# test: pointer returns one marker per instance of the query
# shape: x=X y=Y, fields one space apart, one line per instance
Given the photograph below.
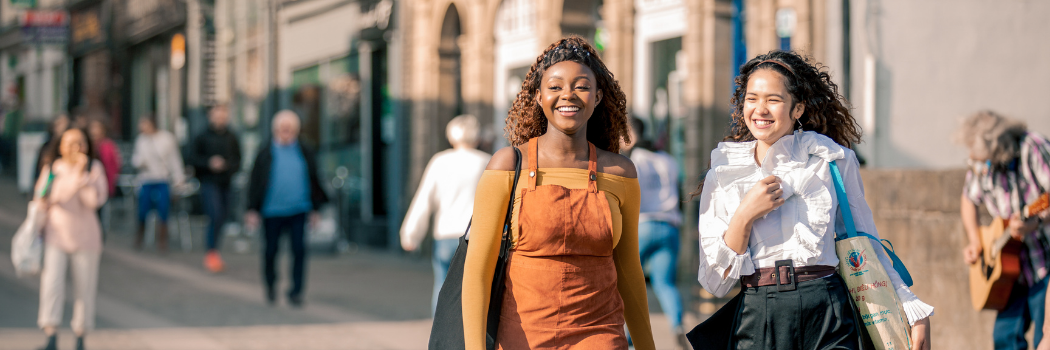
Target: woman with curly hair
x=768 y=205
x=574 y=275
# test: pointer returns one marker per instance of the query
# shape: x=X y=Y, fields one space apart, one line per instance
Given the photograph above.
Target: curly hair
x=826 y=111
x=809 y=83
x=991 y=136
x=606 y=126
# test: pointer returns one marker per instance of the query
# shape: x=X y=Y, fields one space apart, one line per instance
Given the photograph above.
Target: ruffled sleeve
x=913 y=307
x=715 y=256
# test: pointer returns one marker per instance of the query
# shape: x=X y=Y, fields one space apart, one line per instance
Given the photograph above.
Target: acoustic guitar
x=993 y=275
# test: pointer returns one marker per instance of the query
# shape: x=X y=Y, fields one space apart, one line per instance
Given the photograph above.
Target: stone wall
x=919 y=212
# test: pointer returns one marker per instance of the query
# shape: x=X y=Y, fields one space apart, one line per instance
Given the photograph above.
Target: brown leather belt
x=789 y=275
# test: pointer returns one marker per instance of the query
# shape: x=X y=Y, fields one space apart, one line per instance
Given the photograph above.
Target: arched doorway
x=450 y=82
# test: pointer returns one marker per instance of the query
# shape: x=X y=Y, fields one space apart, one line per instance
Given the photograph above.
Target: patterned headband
x=782 y=64
x=574 y=48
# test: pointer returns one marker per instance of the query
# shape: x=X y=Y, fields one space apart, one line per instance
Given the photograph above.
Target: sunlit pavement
x=364 y=299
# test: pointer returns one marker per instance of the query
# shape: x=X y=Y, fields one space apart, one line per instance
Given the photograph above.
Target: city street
x=363 y=299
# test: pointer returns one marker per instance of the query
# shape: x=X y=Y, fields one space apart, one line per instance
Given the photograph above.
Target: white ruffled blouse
x=802 y=229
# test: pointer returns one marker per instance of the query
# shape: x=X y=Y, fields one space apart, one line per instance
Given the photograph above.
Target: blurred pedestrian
x=574 y=277
x=447 y=190
x=50 y=146
x=284 y=188
x=72 y=235
x=789 y=124
x=157 y=159
x=108 y=153
x=1009 y=168
x=216 y=157
x=658 y=221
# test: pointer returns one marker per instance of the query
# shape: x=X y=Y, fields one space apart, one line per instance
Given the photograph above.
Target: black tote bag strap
x=510 y=205
x=499 y=277
x=447 y=331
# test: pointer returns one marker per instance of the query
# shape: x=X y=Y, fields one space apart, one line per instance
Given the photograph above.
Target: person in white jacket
x=446 y=191
x=158 y=162
x=769 y=214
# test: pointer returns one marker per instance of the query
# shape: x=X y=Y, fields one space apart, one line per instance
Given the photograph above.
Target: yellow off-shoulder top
x=490 y=207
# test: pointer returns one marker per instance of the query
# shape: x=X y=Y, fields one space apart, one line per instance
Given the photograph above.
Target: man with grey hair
x=1010 y=168
x=447 y=191
x=284 y=188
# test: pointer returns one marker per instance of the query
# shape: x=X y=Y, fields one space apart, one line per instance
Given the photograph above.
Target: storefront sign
x=25 y=4
x=85 y=28
x=45 y=27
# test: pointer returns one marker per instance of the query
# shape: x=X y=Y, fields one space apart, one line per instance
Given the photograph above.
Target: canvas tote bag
x=27 y=245
x=447 y=331
x=868 y=283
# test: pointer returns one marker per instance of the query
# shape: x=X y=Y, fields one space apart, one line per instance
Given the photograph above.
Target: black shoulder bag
x=447 y=330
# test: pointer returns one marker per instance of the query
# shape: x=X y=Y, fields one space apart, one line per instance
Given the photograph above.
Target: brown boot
x=162 y=237
x=139 y=234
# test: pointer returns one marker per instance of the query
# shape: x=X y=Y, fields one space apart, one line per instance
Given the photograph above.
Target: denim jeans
x=274 y=228
x=1026 y=304
x=154 y=196
x=444 y=249
x=658 y=249
x=215 y=200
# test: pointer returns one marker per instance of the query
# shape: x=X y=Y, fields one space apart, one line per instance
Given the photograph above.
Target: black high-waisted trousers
x=818 y=315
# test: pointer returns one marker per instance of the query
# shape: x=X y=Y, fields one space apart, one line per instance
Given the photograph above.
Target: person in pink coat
x=107 y=153
x=76 y=187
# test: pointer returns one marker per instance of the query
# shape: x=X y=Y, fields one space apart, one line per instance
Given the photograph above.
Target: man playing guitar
x=1010 y=168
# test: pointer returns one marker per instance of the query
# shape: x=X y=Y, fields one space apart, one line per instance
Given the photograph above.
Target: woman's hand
x=1045 y=343
x=765 y=196
x=78 y=160
x=920 y=335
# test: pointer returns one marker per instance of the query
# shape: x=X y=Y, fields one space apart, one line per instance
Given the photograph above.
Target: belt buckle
x=792 y=280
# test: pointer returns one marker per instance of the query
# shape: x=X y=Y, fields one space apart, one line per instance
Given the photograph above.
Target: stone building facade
x=672 y=58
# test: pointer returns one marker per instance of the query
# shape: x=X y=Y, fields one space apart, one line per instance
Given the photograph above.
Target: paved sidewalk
x=366 y=299
x=408 y=335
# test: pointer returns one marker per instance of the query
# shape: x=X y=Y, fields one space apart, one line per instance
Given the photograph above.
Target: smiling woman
x=528 y=117
x=574 y=277
x=768 y=216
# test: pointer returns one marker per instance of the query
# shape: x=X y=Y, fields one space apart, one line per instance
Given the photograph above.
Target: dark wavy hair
x=607 y=125
x=808 y=82
x=54 y=153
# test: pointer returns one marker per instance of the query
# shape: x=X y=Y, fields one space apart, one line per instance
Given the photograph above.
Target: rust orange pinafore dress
x=561 y=280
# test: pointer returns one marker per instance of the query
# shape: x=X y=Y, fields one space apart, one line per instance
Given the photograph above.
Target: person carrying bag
x=768 y=222
x=447 y=330
x=574 y=277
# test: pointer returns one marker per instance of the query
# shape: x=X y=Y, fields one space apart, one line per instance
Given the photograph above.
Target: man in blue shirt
x=284 y=188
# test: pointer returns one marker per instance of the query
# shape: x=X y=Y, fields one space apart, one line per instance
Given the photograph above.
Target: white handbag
x=27 y=246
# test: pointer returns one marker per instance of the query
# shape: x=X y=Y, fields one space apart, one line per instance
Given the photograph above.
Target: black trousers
x=274 y=228
x=818 y=315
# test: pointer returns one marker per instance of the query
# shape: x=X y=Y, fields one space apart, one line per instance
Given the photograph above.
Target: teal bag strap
x=851 y=227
